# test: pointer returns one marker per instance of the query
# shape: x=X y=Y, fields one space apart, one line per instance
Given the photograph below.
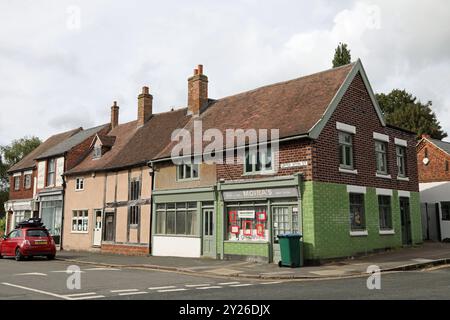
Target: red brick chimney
x=425 y=136
x=197 y=91
x=145 y=106
x=114 y=115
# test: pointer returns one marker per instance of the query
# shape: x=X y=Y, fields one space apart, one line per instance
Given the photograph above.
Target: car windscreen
x=37 y=233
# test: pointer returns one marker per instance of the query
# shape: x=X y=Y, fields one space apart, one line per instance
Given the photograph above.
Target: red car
x=26 y=241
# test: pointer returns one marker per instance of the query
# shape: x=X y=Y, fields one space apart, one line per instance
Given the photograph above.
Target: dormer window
x=97 y=152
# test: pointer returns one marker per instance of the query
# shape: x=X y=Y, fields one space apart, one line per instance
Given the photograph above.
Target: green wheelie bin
x=290 y=250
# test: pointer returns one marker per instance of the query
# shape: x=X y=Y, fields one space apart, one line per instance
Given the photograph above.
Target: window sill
x=259 y=173
x=403 y=178
x=387 y=231
x=188 y=179
x=384 y=176
x=361 y=233
x=351 y=171
x=78 y=190
x=79 y=232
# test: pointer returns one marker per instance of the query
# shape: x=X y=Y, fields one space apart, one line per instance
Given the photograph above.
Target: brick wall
x=124 y=249
x=434 y=171
x=292 y=151
x=356 y=109
x=22 y=193
x=79 y=152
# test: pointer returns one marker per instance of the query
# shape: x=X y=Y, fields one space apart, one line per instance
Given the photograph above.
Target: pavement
x=401 y=259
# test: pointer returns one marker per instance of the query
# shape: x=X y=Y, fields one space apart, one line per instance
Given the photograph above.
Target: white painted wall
x=436 y=192
x=59 y=171
x=176 y=246
x=41 y=174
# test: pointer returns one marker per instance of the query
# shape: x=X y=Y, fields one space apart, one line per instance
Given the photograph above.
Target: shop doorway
x=109 y=226
x=208 y=235
x=97 y=237
x=284 y=220
x=405 y=217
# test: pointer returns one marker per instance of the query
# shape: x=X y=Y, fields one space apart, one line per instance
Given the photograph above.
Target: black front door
x=109 y=227
x=406 y=221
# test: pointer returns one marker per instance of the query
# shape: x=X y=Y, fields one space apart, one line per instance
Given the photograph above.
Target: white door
x=97 y=228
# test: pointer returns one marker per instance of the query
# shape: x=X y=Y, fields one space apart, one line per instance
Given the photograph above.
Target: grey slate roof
x=441 y=144
x=73 y=141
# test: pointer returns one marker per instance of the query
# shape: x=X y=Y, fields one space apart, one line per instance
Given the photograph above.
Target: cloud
x=55 y=77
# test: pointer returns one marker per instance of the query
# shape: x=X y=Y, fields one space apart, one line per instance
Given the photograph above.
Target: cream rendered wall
x=166 y=177
x=110 y=186
x=90 y=198
x=121 y=224
x=145 y=223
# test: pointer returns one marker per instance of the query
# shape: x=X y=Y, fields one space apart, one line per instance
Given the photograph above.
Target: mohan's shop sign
x=260 y=194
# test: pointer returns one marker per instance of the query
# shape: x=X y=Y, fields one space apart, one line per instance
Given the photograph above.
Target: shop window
x=187 y=171
x=27 y=181
x=401 y=161
x=80 y=221
x=357 y=214
x=247 y=223
x=134 y=215
x=179 y=218
x=258 y=160
x=381 y=157
x=445 y=208
x=345 y=150
x=385 y=212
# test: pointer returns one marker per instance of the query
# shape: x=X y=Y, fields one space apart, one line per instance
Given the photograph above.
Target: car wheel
x=51 y=257
x=18 y=255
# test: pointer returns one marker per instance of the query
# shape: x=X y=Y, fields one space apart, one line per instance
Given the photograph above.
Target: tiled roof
x=441 y=144
x=135 y=145
x=73 y=141
x=28 y=161
x=293 y=107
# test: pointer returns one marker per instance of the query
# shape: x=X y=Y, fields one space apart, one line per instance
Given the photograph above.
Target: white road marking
x=80 y=294
x=31 y=274
x=228 y=283
x=273 y=282
x=159 y=288
x=172 y=290
x=89 y=297
x=102 y=269
x=241 y=285
x=212 y=287
x=123 y=290
x=132 y=293
x=37 y=291
x=197 y=285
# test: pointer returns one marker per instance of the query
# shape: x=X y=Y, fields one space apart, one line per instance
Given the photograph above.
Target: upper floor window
x=17 y=183
x=258 y=160
x=51 y=172
x=97 y=152
x=135 y=189
x=27 y=181
x=345 y=150
x=381 y=157
x=79 y=184
x=187 y=171
x=401 y=161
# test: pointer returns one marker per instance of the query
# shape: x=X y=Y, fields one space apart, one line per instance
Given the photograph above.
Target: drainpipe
x=222 y=215
x=299 y=179
x=62 y=213
x=152 y=176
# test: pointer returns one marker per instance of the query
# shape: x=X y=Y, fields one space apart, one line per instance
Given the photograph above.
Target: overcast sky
x=62 y=63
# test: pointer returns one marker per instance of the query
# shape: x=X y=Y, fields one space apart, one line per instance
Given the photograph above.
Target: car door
x=8 y=243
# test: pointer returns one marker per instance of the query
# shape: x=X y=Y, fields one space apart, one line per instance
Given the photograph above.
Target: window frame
x=25 y=185
x=189 y=209
x=446 y=205
x=343 y=145
x=401 y=157
x=257 y=167
x=135 y=189
x=79 y=184
x=97 y=152
x=134 y=216
x=363 y=211
x=51 y=172
x=384 y=154
x=81 y=218
x=182 y=171
x=16 y=181
x=388 y=218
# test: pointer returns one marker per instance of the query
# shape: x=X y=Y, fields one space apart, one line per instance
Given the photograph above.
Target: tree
x=341 y=55
x=403 y=110
x=10 y=155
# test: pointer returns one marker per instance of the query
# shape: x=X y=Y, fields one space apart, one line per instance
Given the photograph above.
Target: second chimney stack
x=145 y=106
x=114 y=115
x=197 y=91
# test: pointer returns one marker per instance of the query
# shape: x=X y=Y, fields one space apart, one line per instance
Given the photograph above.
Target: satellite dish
x=426 y=161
